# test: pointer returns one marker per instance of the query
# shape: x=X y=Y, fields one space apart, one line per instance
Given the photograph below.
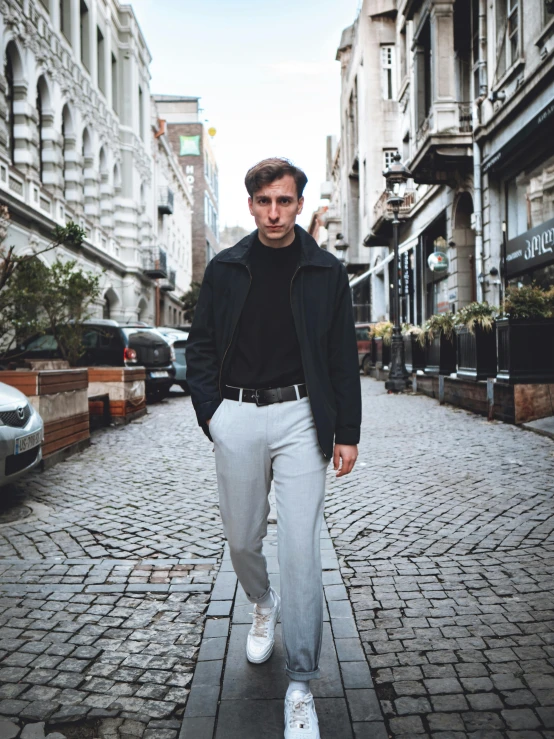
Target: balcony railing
x=464 y=123
x=382 y=209
x=165 y=200
x=169 y=284
x=154 y=263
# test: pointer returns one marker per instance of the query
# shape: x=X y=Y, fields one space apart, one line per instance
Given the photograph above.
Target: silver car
x=21 y=434
x=178 y=341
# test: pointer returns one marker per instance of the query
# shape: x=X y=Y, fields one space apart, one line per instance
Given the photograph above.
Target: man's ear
x=250 y=206
x=300 y=205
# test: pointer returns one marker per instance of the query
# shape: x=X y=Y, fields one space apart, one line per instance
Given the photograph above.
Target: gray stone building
x=465 y=92
x=76 y=144
x=191 y=143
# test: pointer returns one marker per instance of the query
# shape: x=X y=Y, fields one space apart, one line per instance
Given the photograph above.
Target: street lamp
x=396 y=177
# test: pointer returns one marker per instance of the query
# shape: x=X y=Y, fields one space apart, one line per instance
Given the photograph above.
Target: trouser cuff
x=303 y=676
x=262 y=596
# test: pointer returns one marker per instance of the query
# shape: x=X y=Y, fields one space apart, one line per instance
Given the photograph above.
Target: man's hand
x=208 y=422
x=349 y=454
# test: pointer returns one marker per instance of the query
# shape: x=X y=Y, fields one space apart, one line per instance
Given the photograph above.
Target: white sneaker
x=300 y=716
x=261 y=637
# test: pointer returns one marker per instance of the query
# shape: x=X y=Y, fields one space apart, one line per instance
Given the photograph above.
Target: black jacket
x=322 y=311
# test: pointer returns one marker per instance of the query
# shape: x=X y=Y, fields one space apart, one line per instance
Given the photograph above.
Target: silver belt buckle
x=257 y=396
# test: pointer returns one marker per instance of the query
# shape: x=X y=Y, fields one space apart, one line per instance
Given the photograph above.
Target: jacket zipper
x=233 y=334
x=305 y=379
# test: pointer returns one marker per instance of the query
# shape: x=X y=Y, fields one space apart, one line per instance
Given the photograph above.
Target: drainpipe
x=478 y=211
x=477 y=158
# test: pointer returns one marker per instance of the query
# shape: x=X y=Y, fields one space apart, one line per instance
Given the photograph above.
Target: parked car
x=178 y=341
x=364 y=346
x=21 y=435
x=113 y=344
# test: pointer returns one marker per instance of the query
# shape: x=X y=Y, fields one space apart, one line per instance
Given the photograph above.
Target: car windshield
x=41 y=343
x=174 y=335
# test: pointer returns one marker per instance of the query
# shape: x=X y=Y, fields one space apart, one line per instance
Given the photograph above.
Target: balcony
x=381 y=229
x=168 y=285
x=165 y=201
x=443 y=145
x=154 y=263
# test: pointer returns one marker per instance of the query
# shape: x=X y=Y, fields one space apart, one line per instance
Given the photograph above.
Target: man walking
x=272 y=367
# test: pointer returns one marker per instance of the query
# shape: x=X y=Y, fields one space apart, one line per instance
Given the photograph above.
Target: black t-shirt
x=266 y=352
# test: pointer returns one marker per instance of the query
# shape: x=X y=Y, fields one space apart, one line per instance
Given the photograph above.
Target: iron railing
x=154 y=262
x=165 y=200
x=382 y=209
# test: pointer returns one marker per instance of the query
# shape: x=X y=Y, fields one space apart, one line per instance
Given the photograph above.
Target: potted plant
x=49 y=303
x=437 y=337
x=476 y=341
x=414 y=352
x=382 y=335
x=525 y=336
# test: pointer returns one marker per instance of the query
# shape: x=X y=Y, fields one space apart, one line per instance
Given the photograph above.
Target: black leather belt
x=265 y=396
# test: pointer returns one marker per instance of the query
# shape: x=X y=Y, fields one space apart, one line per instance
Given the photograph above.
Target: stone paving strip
x=233 y=699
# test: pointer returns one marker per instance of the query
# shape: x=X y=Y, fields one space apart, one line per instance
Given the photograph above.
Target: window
x=39 y=125
x=406 y=148
x=423 y=75
x=115 y=86
x=548 y=11
x=403 y=53
x=387 y=72
x=101 y=60
x=8 y=72
x=388 y=157
x=65 y=18
x=85 y=35
x=141 y=112
x=507 y=35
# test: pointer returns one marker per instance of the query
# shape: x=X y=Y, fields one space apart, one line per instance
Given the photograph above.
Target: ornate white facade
x=76 y=143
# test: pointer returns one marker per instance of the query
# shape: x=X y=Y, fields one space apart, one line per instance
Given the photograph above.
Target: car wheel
x=366 y=365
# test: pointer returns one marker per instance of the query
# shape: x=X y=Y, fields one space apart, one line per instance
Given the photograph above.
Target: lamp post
x=397 y=177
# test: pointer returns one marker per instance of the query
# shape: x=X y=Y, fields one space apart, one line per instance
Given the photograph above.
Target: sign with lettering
x=189 y=146
x=407 y=273
x=531 y=249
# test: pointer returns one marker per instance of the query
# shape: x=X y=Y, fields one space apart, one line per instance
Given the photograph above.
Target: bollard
x=441 y=389
x=490 y=398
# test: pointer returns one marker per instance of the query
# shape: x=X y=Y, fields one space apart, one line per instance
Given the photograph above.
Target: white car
x=21 y=434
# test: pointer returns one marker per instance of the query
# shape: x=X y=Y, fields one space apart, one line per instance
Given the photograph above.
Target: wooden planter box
x=414 y=353
x=125 y=387
x=382 y=353
x=60 y=396
x=440 y=356
x=525 y=350
x=476 y=353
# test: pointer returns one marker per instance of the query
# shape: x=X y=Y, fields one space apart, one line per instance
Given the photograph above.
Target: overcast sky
x=267 y=76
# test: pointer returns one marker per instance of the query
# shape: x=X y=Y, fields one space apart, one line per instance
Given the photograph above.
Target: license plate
x=24 y=443
x=160 y=373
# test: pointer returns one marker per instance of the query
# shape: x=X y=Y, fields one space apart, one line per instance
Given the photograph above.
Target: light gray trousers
x=253 y=444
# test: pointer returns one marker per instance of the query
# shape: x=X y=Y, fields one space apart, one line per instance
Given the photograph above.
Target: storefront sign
x=438 y=261
x=539 y=125
x=406 y=273
x=531 y=249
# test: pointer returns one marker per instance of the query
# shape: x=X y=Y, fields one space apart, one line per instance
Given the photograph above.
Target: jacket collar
x=310 y=253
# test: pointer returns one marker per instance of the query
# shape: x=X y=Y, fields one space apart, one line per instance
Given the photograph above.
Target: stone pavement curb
x=231 y=699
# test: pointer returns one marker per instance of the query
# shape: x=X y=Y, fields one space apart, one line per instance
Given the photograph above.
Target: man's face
x=275 y=208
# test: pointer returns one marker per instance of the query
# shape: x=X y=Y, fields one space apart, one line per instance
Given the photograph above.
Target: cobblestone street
x=444 y=537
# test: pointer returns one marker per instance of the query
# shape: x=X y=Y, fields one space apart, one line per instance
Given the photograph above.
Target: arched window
x=39 y=125
x=9 y=105
x=106 y=307
x=68 y=144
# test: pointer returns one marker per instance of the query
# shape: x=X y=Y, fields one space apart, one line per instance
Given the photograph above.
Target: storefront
x=521 y=171
x=529 y=252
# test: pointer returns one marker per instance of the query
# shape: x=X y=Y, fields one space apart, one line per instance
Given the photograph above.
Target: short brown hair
x=269 y=170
